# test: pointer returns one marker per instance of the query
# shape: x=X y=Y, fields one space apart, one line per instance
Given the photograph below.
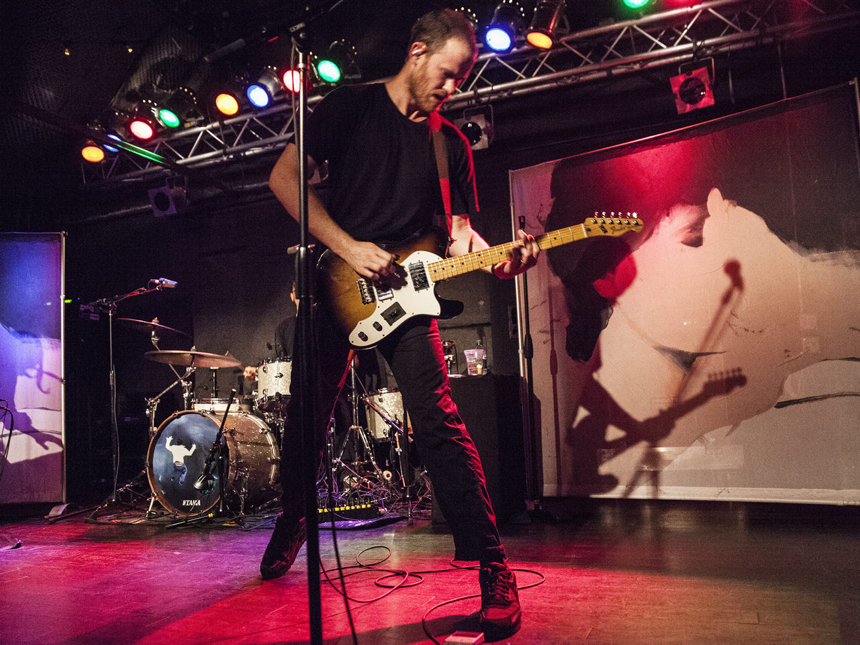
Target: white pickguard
x=399 y=303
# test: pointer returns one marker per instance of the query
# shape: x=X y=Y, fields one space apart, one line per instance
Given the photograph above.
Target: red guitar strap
x=441 y=150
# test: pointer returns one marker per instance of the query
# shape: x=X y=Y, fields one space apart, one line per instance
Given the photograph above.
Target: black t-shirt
x=384 y=184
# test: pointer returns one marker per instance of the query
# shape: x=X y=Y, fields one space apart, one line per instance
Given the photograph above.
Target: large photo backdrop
x=716 y=354
x=31 y=368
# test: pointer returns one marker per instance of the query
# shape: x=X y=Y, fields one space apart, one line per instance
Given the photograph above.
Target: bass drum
x=177 y=455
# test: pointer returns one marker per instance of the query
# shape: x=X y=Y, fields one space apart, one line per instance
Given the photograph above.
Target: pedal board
x=366 y=511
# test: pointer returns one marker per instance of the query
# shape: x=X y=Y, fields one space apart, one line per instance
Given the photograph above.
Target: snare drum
x=177 y=455
x=217 y=407
x=391 y=403
x=273 y=383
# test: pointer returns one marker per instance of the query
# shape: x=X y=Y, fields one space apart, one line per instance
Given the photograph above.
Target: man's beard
x=423 y=94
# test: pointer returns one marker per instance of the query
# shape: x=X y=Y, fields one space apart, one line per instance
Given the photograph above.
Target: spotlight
x=291 y=79
x=141 y=117
x=264 y=90
x=227 y=103
x=477 y=126
x=501 y=33
x=337 y=64
x=635 y=4
x=693 y=89
x=169 y=199
x=92 y=152
x=177 y=108
x=543 y=27
x=110 y=125
x=469 y=15
x=141 y=128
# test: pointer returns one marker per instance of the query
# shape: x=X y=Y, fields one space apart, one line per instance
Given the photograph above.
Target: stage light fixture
x=542 y=31
x=177 y=108
x=227 y=103
x=476 y=124
x=141 y=128
x=291 y=79
x=111 y=125
x=92 y=153
x=337 y=64
x=501 y=33
x=169 y=199
x=264 y=89
x=635 y=4
x=470 y=15
x=693 y=89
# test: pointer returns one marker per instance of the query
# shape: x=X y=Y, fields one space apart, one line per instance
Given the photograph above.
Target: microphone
x=206 y=482
x=163 y=283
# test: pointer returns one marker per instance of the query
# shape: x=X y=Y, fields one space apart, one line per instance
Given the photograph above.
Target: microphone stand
x=527 y=392
x=307 y=360
x=206 y=481
x=110 y=306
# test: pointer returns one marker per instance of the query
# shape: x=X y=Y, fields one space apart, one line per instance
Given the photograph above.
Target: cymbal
x=142 y=325
x=192 y=358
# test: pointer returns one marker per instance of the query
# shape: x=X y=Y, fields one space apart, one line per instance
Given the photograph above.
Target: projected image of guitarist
x=388 y=187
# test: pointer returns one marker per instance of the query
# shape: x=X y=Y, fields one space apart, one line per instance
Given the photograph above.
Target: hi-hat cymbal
x=193 y=358
x=142 y=325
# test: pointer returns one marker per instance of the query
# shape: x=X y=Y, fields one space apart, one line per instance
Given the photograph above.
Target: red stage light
x=141 y=128
x=292 y=80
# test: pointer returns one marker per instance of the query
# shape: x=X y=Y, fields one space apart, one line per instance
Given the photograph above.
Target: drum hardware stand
x=401 y=439
x=356 y=430
x=215 y=382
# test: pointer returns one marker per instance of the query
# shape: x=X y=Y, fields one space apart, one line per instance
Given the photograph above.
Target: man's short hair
x=434 y=29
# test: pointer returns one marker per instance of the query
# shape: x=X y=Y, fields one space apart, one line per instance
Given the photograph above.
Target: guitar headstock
x=721 y=383
x=612 y=223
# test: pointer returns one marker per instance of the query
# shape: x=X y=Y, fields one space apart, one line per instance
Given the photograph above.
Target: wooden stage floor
x=623 y=572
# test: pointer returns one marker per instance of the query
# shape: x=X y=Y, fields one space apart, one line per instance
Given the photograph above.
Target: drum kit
x=243 y=436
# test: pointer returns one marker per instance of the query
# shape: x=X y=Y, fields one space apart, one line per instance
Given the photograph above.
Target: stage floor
x=609 y=572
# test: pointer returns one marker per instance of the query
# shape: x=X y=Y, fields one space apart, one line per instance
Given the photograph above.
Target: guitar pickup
x=394 y=313
x=365 y=291
x=384 y=294
x=419 y=276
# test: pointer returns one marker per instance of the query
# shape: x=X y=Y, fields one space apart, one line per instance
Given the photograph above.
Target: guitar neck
x=460 y=264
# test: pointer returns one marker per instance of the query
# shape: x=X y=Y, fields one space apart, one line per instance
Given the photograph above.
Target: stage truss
x=668 y=38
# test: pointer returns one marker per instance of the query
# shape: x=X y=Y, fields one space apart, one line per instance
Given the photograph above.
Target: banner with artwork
x=716 y=353
x=31 y=368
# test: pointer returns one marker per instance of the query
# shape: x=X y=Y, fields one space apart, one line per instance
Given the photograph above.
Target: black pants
x=414 y=353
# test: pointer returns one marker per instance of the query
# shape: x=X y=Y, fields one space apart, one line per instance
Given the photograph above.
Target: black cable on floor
x=361 y=567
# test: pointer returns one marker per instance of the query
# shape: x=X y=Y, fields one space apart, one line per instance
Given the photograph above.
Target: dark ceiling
x=67 y=61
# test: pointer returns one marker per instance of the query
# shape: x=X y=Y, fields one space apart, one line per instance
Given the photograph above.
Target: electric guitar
x=366 y=311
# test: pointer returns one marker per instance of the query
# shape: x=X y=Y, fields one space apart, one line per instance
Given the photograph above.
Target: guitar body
x=366 y=312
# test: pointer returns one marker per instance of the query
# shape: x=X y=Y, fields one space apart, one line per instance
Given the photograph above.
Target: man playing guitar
x=378 y=141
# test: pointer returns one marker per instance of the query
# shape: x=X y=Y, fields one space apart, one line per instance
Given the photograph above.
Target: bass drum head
x=175 y=459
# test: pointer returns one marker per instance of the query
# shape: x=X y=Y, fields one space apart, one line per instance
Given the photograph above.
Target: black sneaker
x=283 y=548
x=500 y=603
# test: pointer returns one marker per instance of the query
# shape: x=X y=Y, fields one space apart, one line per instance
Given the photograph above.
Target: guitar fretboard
x=458 y=265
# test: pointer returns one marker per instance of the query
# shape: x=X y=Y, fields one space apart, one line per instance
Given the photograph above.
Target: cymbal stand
x=401 y=445
x=152 y=404
x=214 y=382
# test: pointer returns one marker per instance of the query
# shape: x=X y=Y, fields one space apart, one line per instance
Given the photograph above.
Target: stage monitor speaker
x=490 y=407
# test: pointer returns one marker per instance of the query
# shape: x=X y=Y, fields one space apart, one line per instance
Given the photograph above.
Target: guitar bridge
x=365 y=291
